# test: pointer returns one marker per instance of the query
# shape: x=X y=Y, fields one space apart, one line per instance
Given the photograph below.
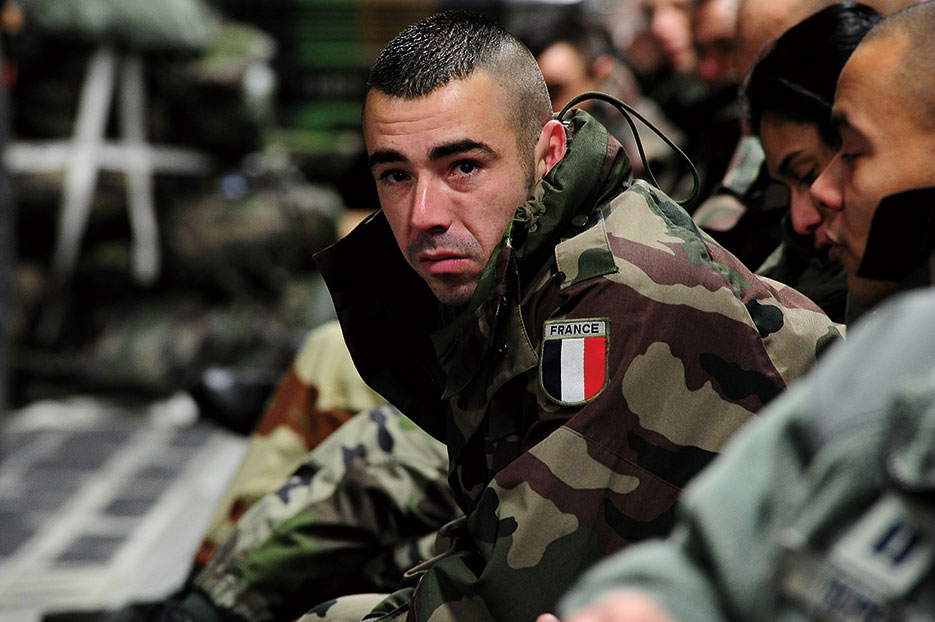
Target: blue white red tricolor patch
x=573 y=359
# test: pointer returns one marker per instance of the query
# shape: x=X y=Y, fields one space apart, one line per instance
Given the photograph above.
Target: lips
x=443 y=262
x=836 y=250
x=843 y=254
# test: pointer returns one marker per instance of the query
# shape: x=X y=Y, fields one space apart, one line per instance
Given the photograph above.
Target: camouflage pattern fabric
x=319 y=392
x=822 y=510
x=796 y=263
x=693 y=345
x=360 y=509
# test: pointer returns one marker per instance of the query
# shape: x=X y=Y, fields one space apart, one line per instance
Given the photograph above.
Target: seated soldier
x=579 y=346
x=789 y=95
x=577 y=55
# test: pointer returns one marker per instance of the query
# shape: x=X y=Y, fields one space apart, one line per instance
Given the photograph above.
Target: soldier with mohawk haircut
x=580 y=347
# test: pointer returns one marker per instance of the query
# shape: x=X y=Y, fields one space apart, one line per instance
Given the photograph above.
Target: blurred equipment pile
x=163 y=228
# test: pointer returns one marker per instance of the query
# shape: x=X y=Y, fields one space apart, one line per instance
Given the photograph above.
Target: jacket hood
x=594 y=170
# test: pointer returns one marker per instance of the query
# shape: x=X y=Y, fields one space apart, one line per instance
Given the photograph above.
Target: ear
x=550 y=148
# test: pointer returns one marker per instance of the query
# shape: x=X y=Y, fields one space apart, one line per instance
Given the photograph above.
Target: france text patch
x=573 y=360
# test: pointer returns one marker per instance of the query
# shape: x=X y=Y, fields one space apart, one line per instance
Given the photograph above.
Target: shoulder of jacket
x=584 y=256
x=637 y=214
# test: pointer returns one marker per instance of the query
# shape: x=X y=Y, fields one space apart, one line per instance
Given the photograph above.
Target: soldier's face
x=449 y=175
x=887 y=146
x=795 y=156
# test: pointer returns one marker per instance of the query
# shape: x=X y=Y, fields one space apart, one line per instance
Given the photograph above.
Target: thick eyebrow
x=460 y=146
x=388 y=156
x=384 y=156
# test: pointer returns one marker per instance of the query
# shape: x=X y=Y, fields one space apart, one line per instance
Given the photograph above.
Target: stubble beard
x=453 y=289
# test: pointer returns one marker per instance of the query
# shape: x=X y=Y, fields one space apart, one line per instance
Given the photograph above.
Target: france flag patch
x=573 y=359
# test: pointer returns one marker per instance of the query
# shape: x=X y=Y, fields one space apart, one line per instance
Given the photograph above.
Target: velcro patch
x=869 y=573
x=887 y=548
x=573 y=359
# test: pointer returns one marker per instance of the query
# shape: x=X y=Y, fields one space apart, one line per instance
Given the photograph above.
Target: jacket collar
x=901 y=236
x=900 y=244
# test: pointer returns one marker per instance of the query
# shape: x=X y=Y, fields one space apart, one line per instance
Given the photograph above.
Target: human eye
x=465 y=168
x=392 y=176
x=852 y=148
x=801 y=175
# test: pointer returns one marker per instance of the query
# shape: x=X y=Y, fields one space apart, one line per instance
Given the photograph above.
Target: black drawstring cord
x=626 y=110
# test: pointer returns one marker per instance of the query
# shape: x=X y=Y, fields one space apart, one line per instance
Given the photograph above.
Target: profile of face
x=670 y=23
x=887 y=145
x=795 y=156
x=450 y=174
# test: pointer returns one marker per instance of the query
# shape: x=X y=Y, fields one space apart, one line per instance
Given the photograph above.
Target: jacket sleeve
x=719 y=556
x=812 y=461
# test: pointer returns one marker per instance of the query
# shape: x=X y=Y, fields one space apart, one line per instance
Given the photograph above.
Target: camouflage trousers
x=320 y=391
x=361 y=509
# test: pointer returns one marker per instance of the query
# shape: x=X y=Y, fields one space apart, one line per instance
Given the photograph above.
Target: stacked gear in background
x=238 y=289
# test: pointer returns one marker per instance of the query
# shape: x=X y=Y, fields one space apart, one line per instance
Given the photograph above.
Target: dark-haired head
x=453 y=45
x=790 y=94
x=796 y=78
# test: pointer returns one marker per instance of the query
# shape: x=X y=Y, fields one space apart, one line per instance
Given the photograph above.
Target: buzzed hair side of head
x=915 y=26
x=452 y=45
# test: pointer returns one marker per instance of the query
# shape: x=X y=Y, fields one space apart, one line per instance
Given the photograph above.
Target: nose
x=804 y=213
x=826 y=190
x=429 y=211
x=827 y=198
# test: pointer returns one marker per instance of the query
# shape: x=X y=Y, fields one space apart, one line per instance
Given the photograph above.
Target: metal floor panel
x=103 y=504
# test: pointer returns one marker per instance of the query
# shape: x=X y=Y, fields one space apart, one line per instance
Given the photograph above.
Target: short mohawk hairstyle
x=453 y=45
x=428 y=54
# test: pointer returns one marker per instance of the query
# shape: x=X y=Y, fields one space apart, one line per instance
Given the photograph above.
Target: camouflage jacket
x=824 y=509
x=608 y=352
